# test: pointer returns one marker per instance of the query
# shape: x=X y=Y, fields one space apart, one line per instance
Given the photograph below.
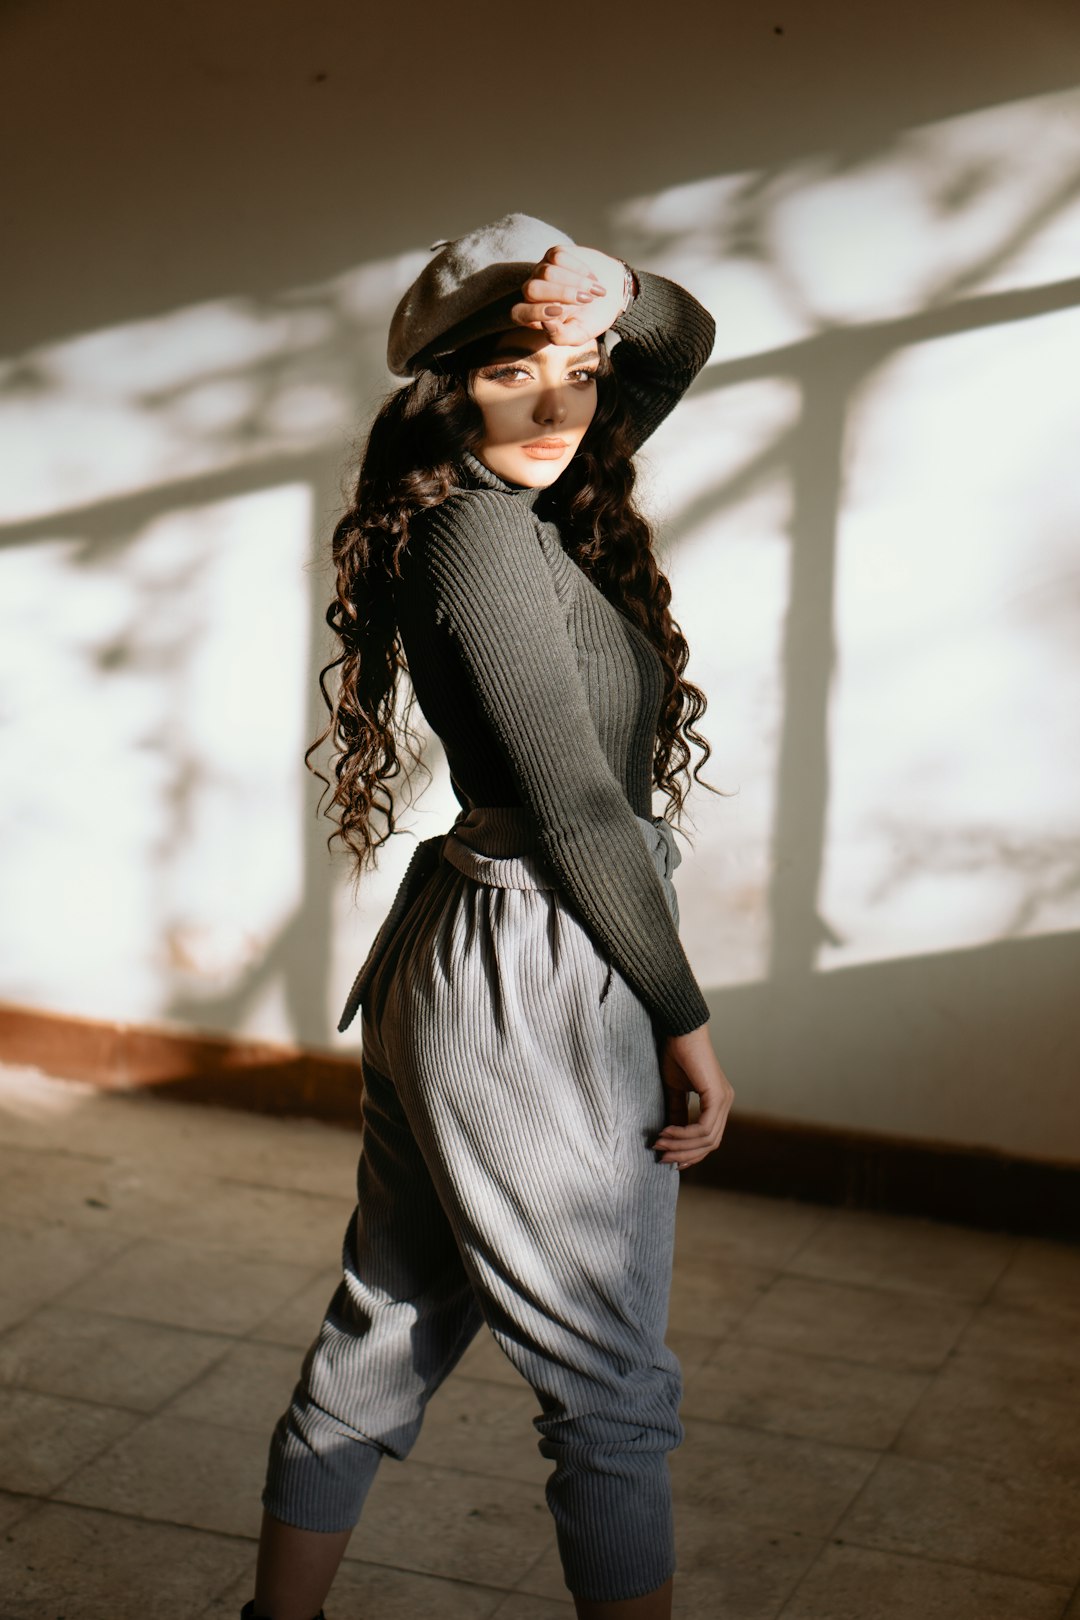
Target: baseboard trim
x=774 y=1157
x=897 y=1175
x=258 y=1076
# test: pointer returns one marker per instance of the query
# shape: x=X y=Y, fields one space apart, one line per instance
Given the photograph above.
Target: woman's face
x=537 y=400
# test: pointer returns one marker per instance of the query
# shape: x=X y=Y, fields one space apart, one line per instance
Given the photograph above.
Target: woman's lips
x=545 y=449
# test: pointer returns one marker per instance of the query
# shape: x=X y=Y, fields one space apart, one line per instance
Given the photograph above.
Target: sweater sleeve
x=479 y=556
x=665 y=338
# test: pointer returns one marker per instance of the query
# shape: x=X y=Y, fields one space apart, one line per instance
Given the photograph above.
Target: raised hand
x=573 y=294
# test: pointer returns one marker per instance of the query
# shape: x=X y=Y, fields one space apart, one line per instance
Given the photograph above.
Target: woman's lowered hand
x=573 y=294
x=689 y=1064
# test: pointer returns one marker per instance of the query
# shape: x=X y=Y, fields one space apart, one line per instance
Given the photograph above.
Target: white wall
x=867 y=502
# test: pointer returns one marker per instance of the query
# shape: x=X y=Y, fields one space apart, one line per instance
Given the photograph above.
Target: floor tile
x=43 y=1189
x=544 y=1578
x=808 y=1338
x=42 y=1261
x=92 y=1357
x=203 y=1289
x=881 y=1327
x=768 y=1480
x=437 y=1521
x=40 y=1111
x=362 y=1590
x=743 y=1226
x=839 y=1585
x=519 y=1607
x=1042 y=1276
x=180 y=1472
x=968 y=1514
x=297 y=1228
x=62 y=1116
x=172 y=1201
x=709 y=1296
x=1025 y=1344
x=297 y=1155
x=37 y=1110
x=13 y=1508
x=737 y=1570
x=491 y=1435
x=95 y=1566
x=692 y=1349
x=295 y=1321
x=890 y=1251
x=13 y=1311
x=724 y=1567
x=814 y=1396
x=1008 y=1423
x=247 y=1388
x=44 y=1439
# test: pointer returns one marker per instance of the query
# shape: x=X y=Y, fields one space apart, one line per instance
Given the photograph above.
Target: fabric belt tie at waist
x=501 y=847
x=498 y=845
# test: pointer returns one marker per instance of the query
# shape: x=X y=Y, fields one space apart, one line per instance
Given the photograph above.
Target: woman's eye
x=507 y=373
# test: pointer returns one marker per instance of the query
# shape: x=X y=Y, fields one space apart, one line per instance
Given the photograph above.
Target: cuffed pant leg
x=399 y=1321
x=610 y=1498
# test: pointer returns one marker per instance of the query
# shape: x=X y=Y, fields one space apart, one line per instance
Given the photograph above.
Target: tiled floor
x=882 y=1415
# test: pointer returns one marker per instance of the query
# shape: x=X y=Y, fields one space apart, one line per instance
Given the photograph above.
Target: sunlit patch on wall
x=195 y=393
x=157 y=702
x=936 y=473
x=953 y=813
x=729 y=570
x=897 y=765
x=983 y=201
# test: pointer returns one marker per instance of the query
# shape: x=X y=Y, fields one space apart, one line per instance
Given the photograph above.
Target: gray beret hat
x=468 y=290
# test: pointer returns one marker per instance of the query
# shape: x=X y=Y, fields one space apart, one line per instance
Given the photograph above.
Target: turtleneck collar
x=477 y=474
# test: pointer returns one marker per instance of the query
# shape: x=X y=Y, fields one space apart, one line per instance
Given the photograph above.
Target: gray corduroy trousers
x=511 y=1091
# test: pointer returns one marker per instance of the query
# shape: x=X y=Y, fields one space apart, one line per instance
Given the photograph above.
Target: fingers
x=685 y=1148
x=683 y=1143
x=562 y=288
x=561 y=326
x=562 y=253
x=563 y=277
x=567 y=259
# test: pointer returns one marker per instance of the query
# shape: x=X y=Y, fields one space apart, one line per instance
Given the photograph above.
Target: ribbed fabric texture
x=546 y=696
x=511 y=1092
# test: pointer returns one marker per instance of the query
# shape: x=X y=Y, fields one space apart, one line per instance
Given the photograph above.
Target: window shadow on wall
x=191 y=437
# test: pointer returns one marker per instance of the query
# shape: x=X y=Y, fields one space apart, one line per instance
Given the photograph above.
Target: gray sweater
x=542 y=692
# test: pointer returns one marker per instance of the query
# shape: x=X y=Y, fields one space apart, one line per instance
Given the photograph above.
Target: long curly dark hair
x=412 y=460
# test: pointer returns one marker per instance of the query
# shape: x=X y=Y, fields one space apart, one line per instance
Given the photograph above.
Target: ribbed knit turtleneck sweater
x=542 y=692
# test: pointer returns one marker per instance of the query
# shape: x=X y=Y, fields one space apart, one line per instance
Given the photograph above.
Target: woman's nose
x=551 y=406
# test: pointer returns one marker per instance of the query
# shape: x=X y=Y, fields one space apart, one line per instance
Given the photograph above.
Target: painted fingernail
x=552 y=309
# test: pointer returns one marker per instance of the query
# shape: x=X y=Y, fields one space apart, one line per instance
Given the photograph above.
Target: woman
x=527 y=1003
